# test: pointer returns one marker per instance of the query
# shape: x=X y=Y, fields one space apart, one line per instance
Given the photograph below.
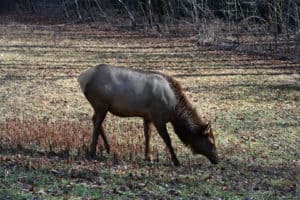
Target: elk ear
x=211 y=140
x=207 y=129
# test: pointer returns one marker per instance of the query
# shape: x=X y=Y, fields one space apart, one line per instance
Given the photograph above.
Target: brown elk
x=153 y=96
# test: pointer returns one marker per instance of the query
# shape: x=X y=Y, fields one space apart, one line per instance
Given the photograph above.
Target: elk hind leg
x=97 y=119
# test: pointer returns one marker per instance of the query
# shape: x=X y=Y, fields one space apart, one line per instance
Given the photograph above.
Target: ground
x=45 y=127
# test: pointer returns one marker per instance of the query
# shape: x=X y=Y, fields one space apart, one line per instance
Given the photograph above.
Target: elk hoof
x=92 y=155
x=147 y=159
x=176 y=163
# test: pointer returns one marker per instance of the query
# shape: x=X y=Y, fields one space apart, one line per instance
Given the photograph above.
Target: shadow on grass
x=35 y=77
x=238 y=176
x=287 y=87
x=248 y=176
x=4 y=149
x=235 y=74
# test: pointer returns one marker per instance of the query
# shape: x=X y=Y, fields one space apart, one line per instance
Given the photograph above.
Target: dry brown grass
x=252 y=101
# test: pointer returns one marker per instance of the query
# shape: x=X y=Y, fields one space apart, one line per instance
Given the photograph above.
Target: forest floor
x=45 y=127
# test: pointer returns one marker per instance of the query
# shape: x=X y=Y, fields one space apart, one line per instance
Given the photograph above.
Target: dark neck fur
x=184 y=119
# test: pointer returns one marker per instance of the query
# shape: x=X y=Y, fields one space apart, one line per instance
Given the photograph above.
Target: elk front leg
x=147 y=133
x=162 y=130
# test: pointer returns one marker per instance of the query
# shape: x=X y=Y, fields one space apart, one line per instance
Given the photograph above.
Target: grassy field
x=45 y=126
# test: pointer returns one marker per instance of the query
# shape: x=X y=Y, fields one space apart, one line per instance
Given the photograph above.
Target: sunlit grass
x=252 y=102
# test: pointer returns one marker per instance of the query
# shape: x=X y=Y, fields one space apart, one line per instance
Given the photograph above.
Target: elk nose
x=214 y=159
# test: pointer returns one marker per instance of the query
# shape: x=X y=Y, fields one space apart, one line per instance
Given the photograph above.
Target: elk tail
x=85 y=77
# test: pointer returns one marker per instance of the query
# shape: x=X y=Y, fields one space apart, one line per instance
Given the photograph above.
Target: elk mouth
x=214 y=160
x=212 y=157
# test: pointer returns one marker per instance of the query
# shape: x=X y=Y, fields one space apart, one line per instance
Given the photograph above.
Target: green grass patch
x=45 y=126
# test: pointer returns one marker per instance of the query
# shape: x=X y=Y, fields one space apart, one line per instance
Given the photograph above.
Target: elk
x=153 y=96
